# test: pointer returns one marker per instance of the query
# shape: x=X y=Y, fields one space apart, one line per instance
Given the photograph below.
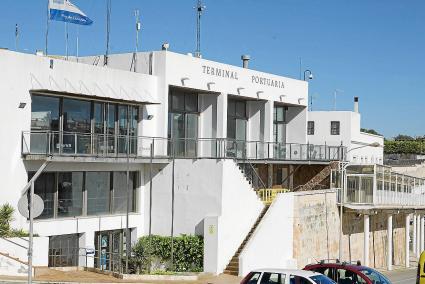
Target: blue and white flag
x=65 y=11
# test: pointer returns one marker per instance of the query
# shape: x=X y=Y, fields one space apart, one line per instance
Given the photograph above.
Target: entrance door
x=184 y=134
x=109 y=250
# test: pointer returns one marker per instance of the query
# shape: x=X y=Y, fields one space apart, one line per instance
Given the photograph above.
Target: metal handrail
x=65 y=143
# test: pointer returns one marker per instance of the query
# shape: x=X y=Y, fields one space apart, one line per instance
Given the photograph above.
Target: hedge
x=404 y=147
x=152 y=253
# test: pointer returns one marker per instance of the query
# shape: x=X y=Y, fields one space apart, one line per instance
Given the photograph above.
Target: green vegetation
x=152 y=254
x=370 y=131
x=6 y=217
x=404 y=147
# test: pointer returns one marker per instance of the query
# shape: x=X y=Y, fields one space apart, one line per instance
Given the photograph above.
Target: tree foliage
x=6 y=217
x=370 y=131
x=404 y=147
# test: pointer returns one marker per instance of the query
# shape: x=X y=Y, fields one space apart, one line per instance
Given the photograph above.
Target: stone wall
x=316 y=232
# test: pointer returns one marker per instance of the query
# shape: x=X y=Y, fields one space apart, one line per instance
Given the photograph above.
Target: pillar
x=422 y=234
x=222 y=116
x=390 y=242
x=366 y=240
x=86 y=251
x=414 y=234
x=418 y=235
x=407 y=237
x=269 y=175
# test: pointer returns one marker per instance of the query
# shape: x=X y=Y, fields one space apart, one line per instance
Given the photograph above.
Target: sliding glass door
x=183 y=124
x=236 y=128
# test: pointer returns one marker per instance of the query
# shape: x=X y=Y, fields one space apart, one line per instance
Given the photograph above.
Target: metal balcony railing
x=53 y=143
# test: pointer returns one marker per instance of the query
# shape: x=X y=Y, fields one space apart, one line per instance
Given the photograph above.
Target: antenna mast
x=108 y=29
x=199 y=9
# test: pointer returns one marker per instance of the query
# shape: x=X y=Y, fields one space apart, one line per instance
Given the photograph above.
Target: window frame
x=337 y=130
x=310 y=127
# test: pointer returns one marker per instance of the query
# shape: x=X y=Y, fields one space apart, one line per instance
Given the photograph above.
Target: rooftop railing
x=53 y=143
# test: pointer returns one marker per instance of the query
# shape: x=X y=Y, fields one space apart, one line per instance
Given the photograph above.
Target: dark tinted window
x=298 y=280
x=272 y=278
x=44 y=113
x=254 y=278
x=321 y=279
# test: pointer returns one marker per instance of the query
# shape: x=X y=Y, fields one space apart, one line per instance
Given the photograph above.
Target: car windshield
x=321 y=279
x=375 y=276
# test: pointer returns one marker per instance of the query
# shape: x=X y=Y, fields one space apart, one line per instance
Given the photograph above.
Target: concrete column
x=414 y=234
x=418 y=235
x=268 y=121
x=269 y=175
x=390 y=242
x=222 y=116
x=291 y=177
x=422 y=234
x=407 y=237
x=86 y=242
x=366 y=240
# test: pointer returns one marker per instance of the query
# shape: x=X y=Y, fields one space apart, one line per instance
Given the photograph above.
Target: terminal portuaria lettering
x=219 y=72
x=267 y=82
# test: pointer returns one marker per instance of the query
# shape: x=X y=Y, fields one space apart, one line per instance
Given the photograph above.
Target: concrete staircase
x=233 y=266
x=317 y=179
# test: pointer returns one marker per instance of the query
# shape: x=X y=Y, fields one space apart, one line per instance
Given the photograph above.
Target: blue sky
x=373 y=49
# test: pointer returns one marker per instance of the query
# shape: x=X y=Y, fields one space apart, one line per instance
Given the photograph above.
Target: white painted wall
x=271 y=245
x=11 y=267
x=350 y=135
x=18 y=248
x=225 y=194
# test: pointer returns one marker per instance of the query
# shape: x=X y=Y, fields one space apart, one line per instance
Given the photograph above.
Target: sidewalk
x=91 y=277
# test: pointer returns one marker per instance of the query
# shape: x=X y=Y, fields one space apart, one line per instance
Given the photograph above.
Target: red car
x=345 y=273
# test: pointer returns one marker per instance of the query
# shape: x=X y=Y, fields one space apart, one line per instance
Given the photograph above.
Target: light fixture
x=259 y=93
x=209 y=84
x=149 y=117
x=310 y=75
x=240 y=89
x=22 y=105
x=165 y=46
x=300 y=99
x=184 y=79
x=281 y=97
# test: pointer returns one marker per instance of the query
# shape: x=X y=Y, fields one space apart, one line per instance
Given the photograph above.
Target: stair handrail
x=256 y=174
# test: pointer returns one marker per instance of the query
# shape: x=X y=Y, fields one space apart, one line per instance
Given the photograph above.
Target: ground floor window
x=73 y=194
x=63 y=250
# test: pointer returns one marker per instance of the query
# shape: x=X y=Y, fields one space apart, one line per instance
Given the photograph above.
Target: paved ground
x=405 y=276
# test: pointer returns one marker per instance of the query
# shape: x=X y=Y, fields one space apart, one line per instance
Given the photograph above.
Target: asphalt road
x=402 y=276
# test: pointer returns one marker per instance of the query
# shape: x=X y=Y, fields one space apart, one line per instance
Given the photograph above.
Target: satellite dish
x=38 y=206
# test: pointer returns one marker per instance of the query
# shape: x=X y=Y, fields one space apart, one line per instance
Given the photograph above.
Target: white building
x=207 y=146
x=344 y=128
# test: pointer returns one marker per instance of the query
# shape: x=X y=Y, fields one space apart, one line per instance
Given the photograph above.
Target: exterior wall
x=225 y=195
x=316 y=227
x=18 y=248
x=275 y=229
x=25 y=72
x=350 y=136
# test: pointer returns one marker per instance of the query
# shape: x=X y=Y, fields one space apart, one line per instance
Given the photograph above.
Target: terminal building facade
x=165 y=143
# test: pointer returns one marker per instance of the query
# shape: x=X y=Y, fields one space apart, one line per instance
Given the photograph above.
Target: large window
x=87 y=127
x=70 y=194
x=183 y=123
x=335 y=127
x=236 y=128
x=310 y=128
x=64 y=250
x=73 y=194
x=279 y=123
x=45 y=187
x=98 y=186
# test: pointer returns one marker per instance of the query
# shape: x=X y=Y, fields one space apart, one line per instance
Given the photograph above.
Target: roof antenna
x=108 y=30
x=199 y=9
x=138 y=28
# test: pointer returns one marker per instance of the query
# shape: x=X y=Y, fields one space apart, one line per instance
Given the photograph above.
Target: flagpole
x=78 y=42
x=47 y=25
x=66 y=39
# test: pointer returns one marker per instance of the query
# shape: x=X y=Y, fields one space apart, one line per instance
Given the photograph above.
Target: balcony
x=36 y=144
x=376 y=186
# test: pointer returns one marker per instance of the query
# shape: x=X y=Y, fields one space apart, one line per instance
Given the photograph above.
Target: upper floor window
x=310 y=128
x=183 y=102
x=335 y=127
x=279 y=121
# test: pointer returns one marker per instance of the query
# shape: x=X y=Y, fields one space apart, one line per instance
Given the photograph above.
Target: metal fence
x=51 y=143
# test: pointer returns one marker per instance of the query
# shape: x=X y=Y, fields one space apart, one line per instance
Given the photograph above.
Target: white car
x=285 y=276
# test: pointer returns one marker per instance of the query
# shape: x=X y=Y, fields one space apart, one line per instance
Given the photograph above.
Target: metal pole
x=47 y=25
x=66 y=40
x=150 y=189
x=127 y=230
x=30 y=245
x=341 y=203
x=172 y=214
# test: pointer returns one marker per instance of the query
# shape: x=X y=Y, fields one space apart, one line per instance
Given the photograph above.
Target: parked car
x=346 y=273
x=285 y=276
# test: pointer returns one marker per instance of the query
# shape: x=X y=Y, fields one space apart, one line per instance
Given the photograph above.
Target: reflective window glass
x=120 y=192
x=98 y=192
x=76 y=116
x=335 y=127
x=191 y=102
x=98 y=118
x=45 y=187
x=241 y=109
x=70 y=194
x=44 y=113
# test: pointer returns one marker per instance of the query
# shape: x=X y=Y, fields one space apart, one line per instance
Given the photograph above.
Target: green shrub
x=153 y=253
x=404 y=147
